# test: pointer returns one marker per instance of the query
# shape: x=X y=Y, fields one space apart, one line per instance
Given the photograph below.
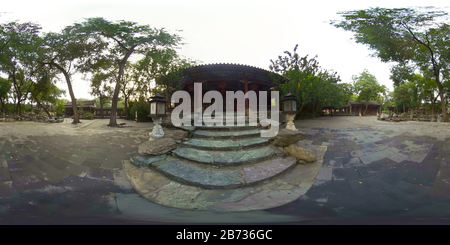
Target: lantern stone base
x=290 y=124
x=157 y=129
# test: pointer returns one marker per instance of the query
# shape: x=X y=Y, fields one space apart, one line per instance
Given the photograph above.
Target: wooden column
x=246 y=90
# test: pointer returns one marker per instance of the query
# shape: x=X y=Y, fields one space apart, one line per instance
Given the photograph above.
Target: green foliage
x=101 y=89
x=123 y=39
x=5 y=87
x=412 y=38
x=367 y=87
x=87 y=115
x=60 y=107
x=10 y=108
x=394 y=34
x=80 y=109
x=143 y=109
x=313 y=86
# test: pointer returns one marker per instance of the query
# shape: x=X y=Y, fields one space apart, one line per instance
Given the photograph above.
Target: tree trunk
x=367 y=105
x=432 y=109
x=39 y=104
x=3 y=107
x=126 y=108
x=101 y=109
x=403 y=107
x=112 y=120
x=19 y=107
x=441 y=94
x=313 y=112
x=72 y=96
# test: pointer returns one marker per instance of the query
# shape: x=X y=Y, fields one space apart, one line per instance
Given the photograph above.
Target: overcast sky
x=242 y=32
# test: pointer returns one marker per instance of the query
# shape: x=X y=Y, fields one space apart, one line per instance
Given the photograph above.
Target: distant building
x=88 y=106
x=107 y=112
x=354 y=108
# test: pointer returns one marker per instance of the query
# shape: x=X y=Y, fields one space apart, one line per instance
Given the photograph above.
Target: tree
x=304 y=75
x=125 y=38
x=404 y=35
x=367 y=87
x=18 y=44
x=428 y=90
x=402 y=96
x=132 y=77
x=5 y=87
x=331 y=94
x=101 y=89
x=43 y=89
x=165 y=68
x=60 y=107
x=71 y=49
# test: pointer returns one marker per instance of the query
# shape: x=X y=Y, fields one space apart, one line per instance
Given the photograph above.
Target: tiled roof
x=226 y=65
x=87 y=103
x=363 y=102
x=228 y=71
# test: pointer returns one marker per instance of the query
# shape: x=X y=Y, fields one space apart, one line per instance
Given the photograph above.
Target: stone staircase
x=223 y=157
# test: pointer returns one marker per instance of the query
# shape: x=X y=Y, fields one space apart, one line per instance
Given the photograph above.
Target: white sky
x=242 y=32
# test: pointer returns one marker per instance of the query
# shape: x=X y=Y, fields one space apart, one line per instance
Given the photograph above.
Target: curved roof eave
x=204 y=68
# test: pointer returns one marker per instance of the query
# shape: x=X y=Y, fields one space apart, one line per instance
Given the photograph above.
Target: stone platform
x=222 y=168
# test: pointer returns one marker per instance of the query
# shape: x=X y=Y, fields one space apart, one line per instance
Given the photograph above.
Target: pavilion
x=229 y=77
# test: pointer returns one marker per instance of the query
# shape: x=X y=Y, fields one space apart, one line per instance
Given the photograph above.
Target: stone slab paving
x=394 y=171
x=411 y=180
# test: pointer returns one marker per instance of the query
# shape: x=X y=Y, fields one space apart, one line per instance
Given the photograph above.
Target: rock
x=155 y=147
x=9 y=120
x=175 y=134
x=287 y=137
x=145 y=161
x=280 y=152
x=302 y=152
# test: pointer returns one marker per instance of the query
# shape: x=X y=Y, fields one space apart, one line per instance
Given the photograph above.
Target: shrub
x=60 y=108
x=88 y=115
x=143 y=109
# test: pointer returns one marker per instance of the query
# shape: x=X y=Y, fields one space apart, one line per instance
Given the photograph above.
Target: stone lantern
x=157 y=112
x=289 y=103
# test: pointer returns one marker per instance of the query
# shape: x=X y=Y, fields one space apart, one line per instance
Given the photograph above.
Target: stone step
x=225 y=157
x=226 y=145
x=220 y=135
x=226 y=128
x=206 y=177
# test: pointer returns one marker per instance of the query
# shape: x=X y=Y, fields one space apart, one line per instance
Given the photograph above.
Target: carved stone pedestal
x=290 y=124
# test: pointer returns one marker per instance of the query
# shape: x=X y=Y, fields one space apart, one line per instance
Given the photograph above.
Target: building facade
x=229 y=77
x=88 y=106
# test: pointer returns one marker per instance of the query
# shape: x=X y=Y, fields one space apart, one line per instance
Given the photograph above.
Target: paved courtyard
x=372 y=170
